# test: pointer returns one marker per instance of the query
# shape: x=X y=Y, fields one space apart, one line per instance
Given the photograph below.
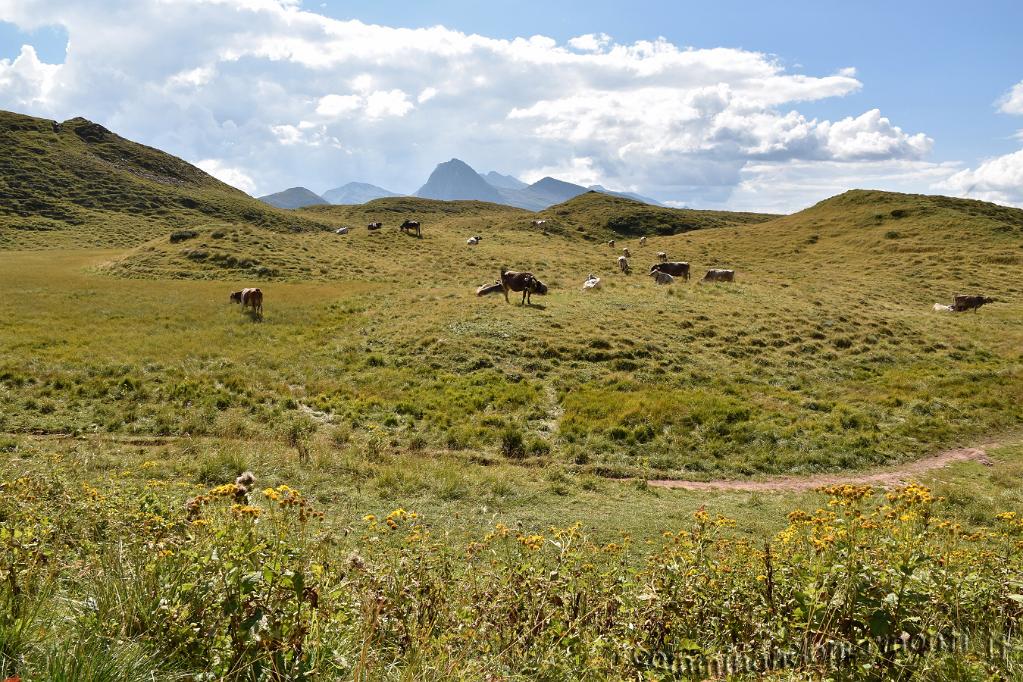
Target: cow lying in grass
x=716 y=275
x=525 y=282
x=485 y=289
x=662 y=277
x=962 y=303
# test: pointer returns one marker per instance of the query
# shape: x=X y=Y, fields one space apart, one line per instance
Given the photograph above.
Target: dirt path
x=884 y=478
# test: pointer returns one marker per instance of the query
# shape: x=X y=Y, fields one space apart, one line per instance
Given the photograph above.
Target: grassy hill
x=825 y=354
x=249 y=251
x=596 y=215
x=76 y=184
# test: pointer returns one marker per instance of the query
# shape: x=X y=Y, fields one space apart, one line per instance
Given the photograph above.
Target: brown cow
x=716 y=275
x=249 y=298
x=675 y=269
x=525 y=282
x=963 y=302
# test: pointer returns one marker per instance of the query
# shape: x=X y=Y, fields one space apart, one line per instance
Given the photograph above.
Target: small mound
x=214 y=252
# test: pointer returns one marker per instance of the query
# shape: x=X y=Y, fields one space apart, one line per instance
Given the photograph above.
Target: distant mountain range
x=455 y=180
x=356 y=193
x=296 y=197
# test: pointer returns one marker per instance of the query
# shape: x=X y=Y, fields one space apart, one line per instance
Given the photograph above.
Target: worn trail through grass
x=885 y=478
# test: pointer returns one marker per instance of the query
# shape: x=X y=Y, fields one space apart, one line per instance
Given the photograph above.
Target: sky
x=725 y=104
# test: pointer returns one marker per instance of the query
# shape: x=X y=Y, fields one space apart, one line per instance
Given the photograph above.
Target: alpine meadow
x=245 y=442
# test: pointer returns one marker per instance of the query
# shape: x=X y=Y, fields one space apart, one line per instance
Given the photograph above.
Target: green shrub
x=512 y=442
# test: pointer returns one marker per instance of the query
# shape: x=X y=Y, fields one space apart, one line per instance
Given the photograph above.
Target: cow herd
x=526 y=283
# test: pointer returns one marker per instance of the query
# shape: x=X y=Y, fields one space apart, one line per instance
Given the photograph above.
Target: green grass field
x=376 y=380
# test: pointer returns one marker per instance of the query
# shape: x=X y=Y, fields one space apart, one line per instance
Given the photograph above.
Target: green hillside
x=76 y=184
x=596 y=215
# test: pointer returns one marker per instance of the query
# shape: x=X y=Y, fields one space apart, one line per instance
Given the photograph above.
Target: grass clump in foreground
x=250 y=581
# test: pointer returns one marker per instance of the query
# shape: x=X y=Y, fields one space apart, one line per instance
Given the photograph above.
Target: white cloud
x=192 y=78
x=581 y=171
x=999 y=179
x=333 y=106
x=274 y=95
x=371 y=105
x=232 y=176
x=381 y=104
x=777 y=187
x=590 y=42
x=26 y=81
x=872 y=136
x=426 y=95
x=1012 y=101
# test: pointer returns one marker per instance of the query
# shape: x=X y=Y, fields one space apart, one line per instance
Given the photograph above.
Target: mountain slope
x=356 y=193
x=542 y=193
x=454 y=180
x=77 y=183
x=295 y=197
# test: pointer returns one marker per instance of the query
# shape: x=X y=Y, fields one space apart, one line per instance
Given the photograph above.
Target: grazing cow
x=473 y=241
x=942 y=308
x=525 y=282
x=642 y=241
x=410 y=225
x=249 y=298
x=374 y=226
x=592 y=282
x=662 y=277
x=962 y=302
x=341 y=230
x=716 y=275
x=539 y=223
x=623 y=264
x=661 y=256
x=611 y=243
x=489 y=289
x=625 y=252
x=675 y=269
